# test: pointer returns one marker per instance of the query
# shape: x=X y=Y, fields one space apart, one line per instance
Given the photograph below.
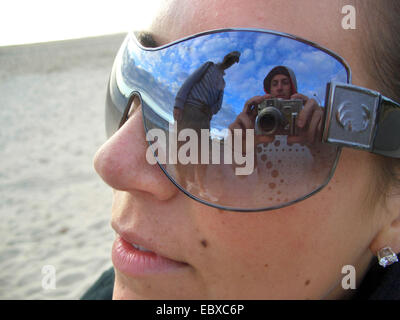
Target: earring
x=386 y=257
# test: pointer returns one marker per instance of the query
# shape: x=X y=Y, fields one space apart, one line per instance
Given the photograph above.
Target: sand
x=54 y=209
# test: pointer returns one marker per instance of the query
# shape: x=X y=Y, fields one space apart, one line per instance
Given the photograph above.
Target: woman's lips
x=135 y=262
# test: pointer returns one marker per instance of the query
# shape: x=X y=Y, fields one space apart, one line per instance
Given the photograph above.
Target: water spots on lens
x=285 y=172
x=272 y=185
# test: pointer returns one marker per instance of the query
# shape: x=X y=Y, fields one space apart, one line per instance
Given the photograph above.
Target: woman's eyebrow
x=146 y=39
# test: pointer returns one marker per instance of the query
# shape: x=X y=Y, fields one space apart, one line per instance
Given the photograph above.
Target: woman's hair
x=380 y=25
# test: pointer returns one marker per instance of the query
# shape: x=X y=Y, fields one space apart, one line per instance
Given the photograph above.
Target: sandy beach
x=54 y=209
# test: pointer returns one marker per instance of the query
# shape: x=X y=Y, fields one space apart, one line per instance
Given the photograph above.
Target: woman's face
x=296 y=252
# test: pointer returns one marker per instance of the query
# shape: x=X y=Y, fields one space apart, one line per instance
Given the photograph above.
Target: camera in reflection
x=278 y=116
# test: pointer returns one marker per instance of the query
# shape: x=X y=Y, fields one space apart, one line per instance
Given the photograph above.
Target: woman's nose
x=121 y=162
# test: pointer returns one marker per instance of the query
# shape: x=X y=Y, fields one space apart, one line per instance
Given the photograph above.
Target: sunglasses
x=287 y=102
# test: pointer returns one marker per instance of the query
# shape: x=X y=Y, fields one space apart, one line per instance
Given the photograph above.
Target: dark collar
x=380 y=283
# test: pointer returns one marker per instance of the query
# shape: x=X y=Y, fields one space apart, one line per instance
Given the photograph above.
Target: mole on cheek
x=204 y=243
x=307 y=282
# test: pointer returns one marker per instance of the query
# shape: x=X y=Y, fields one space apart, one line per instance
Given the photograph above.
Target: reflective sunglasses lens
x=217 y=83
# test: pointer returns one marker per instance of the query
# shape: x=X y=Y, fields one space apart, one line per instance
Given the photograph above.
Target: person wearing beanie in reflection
x=280 y=82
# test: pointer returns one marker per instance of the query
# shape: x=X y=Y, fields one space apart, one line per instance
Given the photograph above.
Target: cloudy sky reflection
x=161 y=73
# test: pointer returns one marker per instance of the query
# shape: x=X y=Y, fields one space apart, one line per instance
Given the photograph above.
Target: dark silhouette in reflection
x=201 y=95
x=198 y=99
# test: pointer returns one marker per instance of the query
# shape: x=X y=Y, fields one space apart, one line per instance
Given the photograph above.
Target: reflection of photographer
x=278 y=116
x=280 y=83
x=282 y=110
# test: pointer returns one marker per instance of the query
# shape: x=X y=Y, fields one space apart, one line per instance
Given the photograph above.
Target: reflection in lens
x=268 y=122
x=214 y=83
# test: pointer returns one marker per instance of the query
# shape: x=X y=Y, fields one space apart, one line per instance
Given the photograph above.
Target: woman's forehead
x=178 y=19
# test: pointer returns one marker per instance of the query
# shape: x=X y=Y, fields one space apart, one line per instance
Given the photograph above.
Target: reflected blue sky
x=159 y=74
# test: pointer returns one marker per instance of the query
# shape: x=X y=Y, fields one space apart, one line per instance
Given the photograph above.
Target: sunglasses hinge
x=351 y=113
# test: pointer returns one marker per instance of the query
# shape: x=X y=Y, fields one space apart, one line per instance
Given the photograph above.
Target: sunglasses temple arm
x=363 y=119
x=387 y=136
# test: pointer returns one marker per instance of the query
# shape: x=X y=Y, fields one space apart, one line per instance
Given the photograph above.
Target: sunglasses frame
x=128 y=96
